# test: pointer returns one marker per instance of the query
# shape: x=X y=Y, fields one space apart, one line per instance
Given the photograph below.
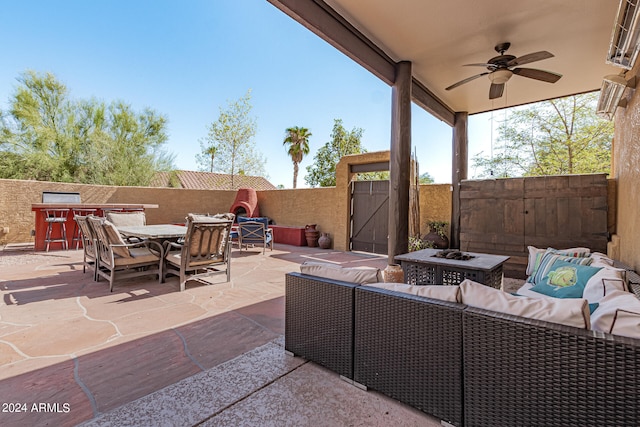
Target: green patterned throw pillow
x=546 y=262
x=565 y=279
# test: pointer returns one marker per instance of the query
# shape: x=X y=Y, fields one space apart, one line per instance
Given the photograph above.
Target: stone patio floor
x=73 y=353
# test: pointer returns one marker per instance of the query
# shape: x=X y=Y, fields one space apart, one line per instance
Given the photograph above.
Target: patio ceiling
x=439 y=37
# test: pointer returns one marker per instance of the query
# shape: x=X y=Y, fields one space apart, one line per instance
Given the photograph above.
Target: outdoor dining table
x=155 y=231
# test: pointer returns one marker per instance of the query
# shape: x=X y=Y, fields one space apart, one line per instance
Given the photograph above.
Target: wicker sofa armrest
x=319 y=321
x=520 y=371
x=410 y=348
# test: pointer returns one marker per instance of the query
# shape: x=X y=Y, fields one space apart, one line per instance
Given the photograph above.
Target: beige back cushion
x=443 y=293
x=127 y=219
x=570 y=311
x=359 y=275
x=115 y=239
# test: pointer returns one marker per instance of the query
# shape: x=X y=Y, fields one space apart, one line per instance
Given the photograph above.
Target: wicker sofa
x=464 y=365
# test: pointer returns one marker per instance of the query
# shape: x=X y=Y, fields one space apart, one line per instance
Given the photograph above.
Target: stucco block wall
x=16 y=198
x=435 y=202
x=327 y=207
x=626 y=171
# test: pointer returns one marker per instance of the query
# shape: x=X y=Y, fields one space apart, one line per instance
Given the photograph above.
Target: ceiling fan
x=501 y=69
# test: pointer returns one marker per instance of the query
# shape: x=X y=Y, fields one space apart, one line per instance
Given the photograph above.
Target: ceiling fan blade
x=529 y=58
x=496 y=90
x=478 y=65
x=542 y=75
x=467 y=80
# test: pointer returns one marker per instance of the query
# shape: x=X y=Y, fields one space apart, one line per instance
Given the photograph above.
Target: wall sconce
x=611 y=92
x=623 y=48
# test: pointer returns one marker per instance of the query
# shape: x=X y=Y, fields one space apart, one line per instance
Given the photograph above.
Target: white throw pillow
x=570 y=311
x=618 y=313
x=441 y=292
x=359 y=275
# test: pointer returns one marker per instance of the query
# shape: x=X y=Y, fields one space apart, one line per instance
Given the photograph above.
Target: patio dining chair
x=255 y=231
x=88 y=239
x=120 y=260
x=206 y=249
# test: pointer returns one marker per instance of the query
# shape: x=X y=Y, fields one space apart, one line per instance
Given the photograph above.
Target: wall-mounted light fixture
x=611 y=92
x=623 y=48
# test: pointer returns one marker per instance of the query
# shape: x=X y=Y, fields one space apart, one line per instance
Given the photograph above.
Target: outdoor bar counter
x=41 y=225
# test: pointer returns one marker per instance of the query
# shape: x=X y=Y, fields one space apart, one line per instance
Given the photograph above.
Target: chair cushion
x=359 y=275
x=140 y=256
x=115 y=239
x=175 y=258
x=443 y=293
x=127 y=219
x=570 y=312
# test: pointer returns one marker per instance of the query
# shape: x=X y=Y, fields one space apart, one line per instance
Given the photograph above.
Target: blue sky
x=188 y=59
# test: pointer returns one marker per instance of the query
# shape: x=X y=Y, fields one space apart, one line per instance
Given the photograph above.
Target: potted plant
x=437 y=235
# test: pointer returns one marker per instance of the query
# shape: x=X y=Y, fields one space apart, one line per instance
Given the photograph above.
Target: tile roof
x=209 y=181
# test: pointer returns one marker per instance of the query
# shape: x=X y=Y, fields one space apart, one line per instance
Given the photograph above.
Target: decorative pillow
x=618 y=313
x=359 y=275
x=546 y=262
x=570 y=312
x=602 y=283
x=115 y=239
x=444 y=293
x=601 y=258
x=536 y=254
x=565 y=279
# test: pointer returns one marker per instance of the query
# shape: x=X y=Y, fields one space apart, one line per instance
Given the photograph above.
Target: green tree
x=205 y=159
x=45 y=135
x=297 y=140
x=232 y=136
x=323 y=171
x=556 y=137
x=426 y=178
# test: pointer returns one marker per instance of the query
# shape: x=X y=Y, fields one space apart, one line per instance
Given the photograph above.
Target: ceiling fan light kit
x=501 y=76
x=502 y=67
x=611 y=93
x=625 y=37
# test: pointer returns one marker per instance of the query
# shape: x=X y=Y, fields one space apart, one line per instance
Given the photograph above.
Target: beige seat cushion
x=175 y=259
x=138 y=256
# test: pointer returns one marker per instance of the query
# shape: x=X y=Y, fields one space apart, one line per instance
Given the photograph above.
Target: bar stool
x=56 y=216
x=77 y=232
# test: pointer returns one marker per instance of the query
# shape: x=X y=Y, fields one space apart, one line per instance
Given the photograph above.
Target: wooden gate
x=369 y=216
x=504 y=216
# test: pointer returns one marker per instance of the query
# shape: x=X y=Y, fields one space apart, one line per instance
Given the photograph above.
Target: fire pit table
x=426 y=268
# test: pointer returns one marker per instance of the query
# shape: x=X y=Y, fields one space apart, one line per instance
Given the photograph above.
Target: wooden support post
x=400 y=162
x=460 y=170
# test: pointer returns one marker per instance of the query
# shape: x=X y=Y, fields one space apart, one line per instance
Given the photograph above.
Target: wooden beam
x=369 y=167
x=431 y=104
x=459 y=172
x=400 y=162
x=329 y=25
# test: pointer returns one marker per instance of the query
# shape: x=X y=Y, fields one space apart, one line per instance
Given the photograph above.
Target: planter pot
x=324 y=241
x=312 y=235
x=393 y=274
x=438 y=241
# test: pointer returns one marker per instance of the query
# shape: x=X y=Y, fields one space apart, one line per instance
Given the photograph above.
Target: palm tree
x=298 y=140
x=211 y=151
